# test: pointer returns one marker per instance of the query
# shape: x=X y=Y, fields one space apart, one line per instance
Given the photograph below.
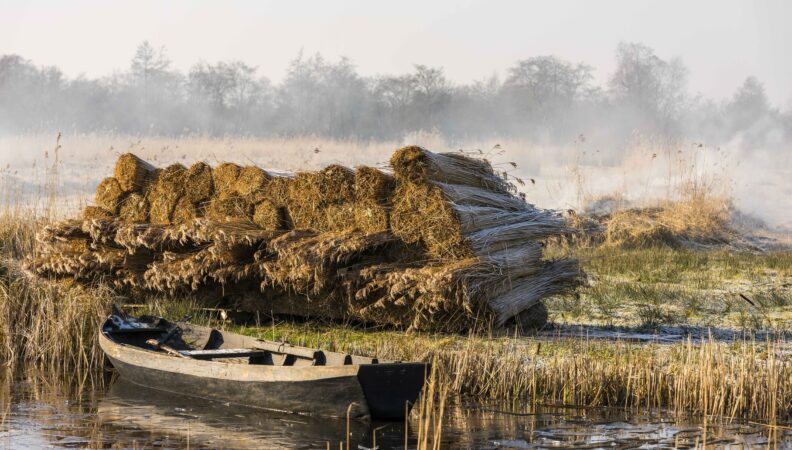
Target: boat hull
x=364 y=391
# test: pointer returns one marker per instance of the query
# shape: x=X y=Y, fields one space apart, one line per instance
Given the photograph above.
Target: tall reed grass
x=745 y=379
x=45 y=325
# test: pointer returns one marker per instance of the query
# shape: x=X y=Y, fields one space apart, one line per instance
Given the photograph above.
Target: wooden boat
x=208 y=363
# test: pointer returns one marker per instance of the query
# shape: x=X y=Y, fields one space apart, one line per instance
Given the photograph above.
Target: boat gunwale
x=138 y=356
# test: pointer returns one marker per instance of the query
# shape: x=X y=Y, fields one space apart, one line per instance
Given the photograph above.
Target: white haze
x=718 y=110
x=564 y=176
x=723 y=41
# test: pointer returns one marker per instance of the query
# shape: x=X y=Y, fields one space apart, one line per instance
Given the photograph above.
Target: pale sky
x=722 y=42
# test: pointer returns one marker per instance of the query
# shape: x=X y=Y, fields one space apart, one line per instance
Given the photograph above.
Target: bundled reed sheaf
x=441 y=243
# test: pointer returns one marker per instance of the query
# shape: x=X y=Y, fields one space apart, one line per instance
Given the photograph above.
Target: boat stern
x=391 y=389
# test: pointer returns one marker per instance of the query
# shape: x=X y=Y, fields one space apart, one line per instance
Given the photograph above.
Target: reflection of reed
x=128 y=416
x=749 y=379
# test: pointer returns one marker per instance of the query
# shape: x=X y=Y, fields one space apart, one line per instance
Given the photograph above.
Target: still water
x=35 y=415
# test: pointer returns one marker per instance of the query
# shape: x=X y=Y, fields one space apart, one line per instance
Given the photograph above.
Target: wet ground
x=128 y=416
x=662 y=335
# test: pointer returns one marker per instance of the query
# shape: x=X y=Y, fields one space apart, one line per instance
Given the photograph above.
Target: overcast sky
x=722 y=42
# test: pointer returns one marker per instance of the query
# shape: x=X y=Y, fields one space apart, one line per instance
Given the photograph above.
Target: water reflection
x=128 y=416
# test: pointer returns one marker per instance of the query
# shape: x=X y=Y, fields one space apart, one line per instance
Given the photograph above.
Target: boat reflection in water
x=153 y=414
x=129 y=416
x=210 y=424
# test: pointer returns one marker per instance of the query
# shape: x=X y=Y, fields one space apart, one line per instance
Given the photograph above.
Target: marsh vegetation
x=689 y=317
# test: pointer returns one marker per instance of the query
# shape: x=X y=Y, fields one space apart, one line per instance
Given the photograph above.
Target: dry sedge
x=225 y=176
x=135 y=209
x=696 y=220
x=132 y=172
x=198 y=183
x=109 y=195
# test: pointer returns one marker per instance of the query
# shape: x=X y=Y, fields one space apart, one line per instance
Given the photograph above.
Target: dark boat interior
x=184 y=340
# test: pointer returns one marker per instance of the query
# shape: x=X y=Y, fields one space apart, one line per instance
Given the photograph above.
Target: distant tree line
x=543 y=98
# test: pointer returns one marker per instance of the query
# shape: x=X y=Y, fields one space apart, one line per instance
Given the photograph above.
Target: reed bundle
x=417 y=165
x=198 y=183
x=132 y=173
x=439 y=244
x=461 y=221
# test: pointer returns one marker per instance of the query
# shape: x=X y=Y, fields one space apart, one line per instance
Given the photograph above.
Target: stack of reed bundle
x=440 y=244
x=486 y=241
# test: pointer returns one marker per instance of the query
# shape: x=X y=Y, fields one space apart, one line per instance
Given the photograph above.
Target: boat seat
x=257 y=356
x=223 y=353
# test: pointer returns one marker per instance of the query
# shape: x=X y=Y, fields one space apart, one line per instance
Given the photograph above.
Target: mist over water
x=640 y=136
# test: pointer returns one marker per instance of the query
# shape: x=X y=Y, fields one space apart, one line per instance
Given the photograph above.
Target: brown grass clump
x=250 y=182
x=225 y=176
x=268 y=216
x=95 y=212
x=198 y=183
x=132 y=172
x=135 y=208
x=699 y=220
x=634 y=228
x=109 y=195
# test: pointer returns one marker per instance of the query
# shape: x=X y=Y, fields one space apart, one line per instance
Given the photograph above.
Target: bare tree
x=647 y=83
x=542 y=98
x=149 y=63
